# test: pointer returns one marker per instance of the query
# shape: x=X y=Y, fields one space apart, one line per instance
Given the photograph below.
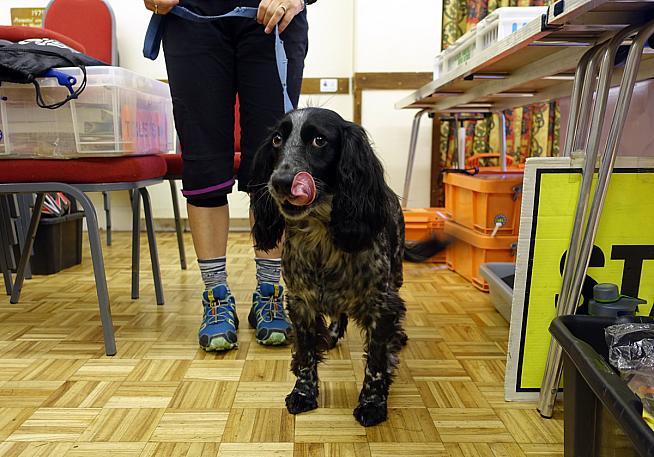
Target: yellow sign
x=623 y=254
x=29 y=17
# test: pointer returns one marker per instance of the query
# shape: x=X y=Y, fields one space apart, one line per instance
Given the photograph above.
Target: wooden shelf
x=536 y=63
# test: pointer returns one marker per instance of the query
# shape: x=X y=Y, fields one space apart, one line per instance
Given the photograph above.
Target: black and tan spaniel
x=318 y=185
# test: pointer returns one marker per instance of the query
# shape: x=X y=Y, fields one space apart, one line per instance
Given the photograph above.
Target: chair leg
x=152 y=241
x=5 y=247
x=27 y=249
x=107 y=210
x=98 y=270
x=136 y=243
x=6 y=274
x=178 y=225
x=23 y=205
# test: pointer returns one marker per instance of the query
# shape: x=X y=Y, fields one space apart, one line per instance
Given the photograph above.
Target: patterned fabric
x=268 y=270
x=532 y=131
x=213 y=271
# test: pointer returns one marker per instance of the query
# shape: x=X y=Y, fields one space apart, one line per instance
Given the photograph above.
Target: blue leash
x=155 y=32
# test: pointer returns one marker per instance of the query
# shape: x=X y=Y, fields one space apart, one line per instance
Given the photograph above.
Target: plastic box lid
x=480 y=240
x=512 y=12
x=113 y=77
x=487 y=183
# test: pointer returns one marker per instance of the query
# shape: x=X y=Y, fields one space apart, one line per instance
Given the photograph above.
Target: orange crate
x=478 y=202
x=470 y=249
x=422 y=223
x=475 y=160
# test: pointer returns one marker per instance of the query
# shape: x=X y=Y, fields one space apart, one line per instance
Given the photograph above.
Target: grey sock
x=268 y=270
x=214 y=271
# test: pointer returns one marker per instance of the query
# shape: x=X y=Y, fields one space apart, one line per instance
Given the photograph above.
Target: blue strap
x=62 y=78
x=155 y=31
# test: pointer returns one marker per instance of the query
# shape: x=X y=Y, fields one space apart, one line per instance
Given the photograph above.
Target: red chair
x=90 y=22
x=76 y=177
x=175 y=166
x=17 y=33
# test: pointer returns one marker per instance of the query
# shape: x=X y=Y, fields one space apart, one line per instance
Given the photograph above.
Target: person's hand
x=160 y=6
x=278 y=12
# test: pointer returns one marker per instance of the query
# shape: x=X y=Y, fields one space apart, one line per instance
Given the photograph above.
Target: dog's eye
x=277 y=140
x=319 y=142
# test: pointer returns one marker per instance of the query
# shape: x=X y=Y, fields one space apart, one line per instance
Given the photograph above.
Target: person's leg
x=272 y=329
x=200 y=62
x=262 y=106
x=209 y=229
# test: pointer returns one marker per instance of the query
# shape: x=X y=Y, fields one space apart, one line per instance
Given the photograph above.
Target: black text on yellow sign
x=623 y=254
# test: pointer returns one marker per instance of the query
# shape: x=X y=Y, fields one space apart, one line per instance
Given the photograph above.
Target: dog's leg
x=384 y=341
x=310 y=333
x=337 y=330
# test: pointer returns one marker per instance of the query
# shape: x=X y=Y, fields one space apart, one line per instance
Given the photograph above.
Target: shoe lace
x=272 y=308
x=218 y=311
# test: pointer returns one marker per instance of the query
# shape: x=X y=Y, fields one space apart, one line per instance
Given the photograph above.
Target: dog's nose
x=282 y=182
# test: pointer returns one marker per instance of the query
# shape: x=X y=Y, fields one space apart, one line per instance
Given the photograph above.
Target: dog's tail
x=419 y=251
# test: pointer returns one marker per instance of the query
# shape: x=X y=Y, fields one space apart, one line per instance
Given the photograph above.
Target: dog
x=318 y=185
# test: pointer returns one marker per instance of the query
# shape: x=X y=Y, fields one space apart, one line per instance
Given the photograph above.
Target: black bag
x=27 y=60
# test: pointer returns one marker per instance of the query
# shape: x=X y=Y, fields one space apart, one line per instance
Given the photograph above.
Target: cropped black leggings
x=208 y=64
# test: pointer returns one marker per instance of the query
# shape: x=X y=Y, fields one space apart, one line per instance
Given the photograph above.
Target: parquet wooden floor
x=162 y=396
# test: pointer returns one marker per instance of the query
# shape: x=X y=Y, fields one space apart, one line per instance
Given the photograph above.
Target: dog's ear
x=360 y=208
x=269 y=225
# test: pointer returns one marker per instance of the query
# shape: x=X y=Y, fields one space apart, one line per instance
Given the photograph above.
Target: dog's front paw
x=369 y=414
x=297 y=402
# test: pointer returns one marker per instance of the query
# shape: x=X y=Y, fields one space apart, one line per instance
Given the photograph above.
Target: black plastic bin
x=58 y=244
x=602 y=417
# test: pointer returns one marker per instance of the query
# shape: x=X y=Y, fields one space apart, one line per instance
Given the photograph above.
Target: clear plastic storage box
x=119 y=113
x=496 y=26
x=459 y=52
x=504 y=21
x=438 y=65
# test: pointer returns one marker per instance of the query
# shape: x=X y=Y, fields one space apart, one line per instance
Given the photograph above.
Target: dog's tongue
x=303 y=189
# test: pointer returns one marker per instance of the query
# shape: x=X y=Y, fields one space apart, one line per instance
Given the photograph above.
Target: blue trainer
x=220 y=322
x=268 y=316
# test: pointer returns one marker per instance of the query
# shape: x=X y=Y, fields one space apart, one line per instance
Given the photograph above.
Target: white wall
x=393 y=36
x=397 y=36
x=389 y=130
x=346 y=36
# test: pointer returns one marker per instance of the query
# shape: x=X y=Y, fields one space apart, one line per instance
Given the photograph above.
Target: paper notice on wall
x=27 y=17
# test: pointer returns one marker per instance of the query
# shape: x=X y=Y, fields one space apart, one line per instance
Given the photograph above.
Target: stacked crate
x=484 y=219
x=423 y=223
